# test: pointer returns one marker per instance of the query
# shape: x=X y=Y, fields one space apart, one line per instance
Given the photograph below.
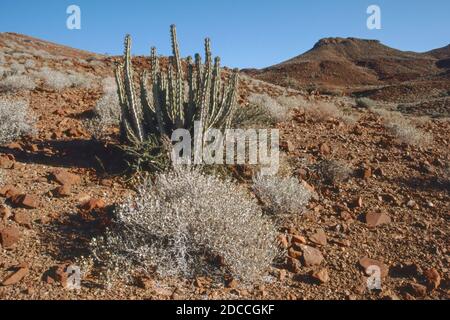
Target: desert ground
x=364 y=129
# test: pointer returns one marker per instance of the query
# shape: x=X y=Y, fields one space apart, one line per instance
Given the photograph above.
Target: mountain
x=355 y=63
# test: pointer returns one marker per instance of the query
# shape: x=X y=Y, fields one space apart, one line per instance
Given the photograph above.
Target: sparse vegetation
x=332 y=171
x=106 y=111
x=365 y=103
x=188 y=223
x=15 y=120
x=270 y=106
x=16 y=83
x=165 y=104
x=281 y=195
x=402 y=129
x=57 y=80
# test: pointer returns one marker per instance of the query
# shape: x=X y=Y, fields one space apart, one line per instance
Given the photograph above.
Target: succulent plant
x=172 y=98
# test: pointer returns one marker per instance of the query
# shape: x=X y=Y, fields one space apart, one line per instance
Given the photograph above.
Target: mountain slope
x=352 y=62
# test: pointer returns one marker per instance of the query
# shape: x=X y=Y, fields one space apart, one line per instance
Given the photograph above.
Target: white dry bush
x=15 y=120
x=17 y=68
x=403 y=129
x=188 y=223
x=58 y=80
x=106 y=111
x=277 y=111
x=324 y=111
x=17 y=83
x=281 y=194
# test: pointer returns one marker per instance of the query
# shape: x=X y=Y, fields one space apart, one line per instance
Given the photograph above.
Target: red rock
x=294 y=253
x=25 y=200
x=5 y=213
x=366 y=262
x=367 y=173
x=433 y=278
x=62 y=191
x=282 y=275
x=282 y=241
x=145 y=282
x=417 y=290
x=231 y=283
x=311 y=256
x=9 y=237
x=6 y=162
x=64 y=177
x=375 y=219
x=321 y=275
x=9 y=191
x=325 y=149
x=296 y=239
x=23 y=219
x=359 y=202
x=93 y=204
x=17 y=276
x=319 y=237
x=15 y=146
x=293 y=265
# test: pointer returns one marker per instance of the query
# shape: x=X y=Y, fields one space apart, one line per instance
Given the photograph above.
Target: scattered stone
x=23 y=219
x=366 y=262
x=282 y=275
x=325 y=149
x=145 y=282
x=311 y=256
x=412 y=204
x=294 y=254
x=319 y=237
x=9 y=237
x=64 y=177
x=367 y=173
x=21 y=272
x=25 y=200
x=231 y=283
x=417 y=290
x=9 y=191
x=5 y=213
x=93 y=204
x=296 y=239
x=62 y=191
x=282 y=241
x=358 y=203
x=293 y=265
x=6 y=161
x=375 y=219
x=321 y=275
x=433 y=278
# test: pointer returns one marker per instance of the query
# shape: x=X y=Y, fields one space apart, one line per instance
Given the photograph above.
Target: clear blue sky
x=245 y=33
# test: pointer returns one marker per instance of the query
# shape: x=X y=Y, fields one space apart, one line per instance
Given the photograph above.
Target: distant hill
x=352 y=62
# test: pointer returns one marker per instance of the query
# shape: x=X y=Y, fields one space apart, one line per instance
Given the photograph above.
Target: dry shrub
x=188 y=223
x=15 y=120
x=332 y=171
x=281 y=195
x=365 y=103
x=106 y=111
x=402 y=129
x=277 y=112
x=17 y=83
x=57 y=80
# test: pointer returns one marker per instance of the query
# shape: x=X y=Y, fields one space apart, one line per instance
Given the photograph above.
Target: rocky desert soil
x=392 y=211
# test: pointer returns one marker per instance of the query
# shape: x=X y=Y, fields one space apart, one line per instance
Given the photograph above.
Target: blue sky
x=245 y=33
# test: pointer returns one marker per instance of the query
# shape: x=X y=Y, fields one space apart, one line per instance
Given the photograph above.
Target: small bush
x=365 y=103
x=278 y=112
x=188 y=223
x=333 y=171
x=323 y=111
x=402 y=129
x=106 y=112
x=281 y=195
x=16 y=83
x=58 y=81
x=15 y=120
